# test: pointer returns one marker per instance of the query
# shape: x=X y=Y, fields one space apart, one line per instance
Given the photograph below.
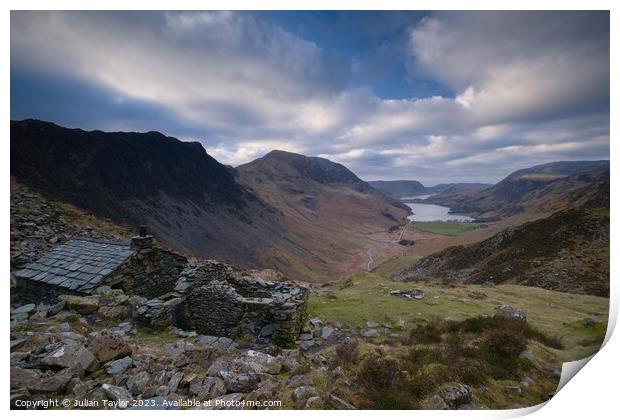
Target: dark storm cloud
x=429 y=96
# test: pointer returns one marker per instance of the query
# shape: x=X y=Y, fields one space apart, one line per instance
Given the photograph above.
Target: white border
x=592 y=395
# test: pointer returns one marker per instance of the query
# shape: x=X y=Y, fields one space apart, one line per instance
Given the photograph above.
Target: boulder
x=456 y=395
x=107 y=346
x=315 y=322
x=240 y=381
x=290 y=360
x=116 y=367
x=240 y=374
x=112 y=313
x=81 y=389
x=175 y=380
x=327 y=332
x=118 y=394
x=370 y=333
x=265 y=390
x=163 y=390
x=18 y=356
x=81 y=304
x=314 y=403
x=506 y=311
x=527 y=382
x=513 y=389
x=261 y=362
x=307 y=344
x=137 y=383
x=36 y=381
x=340 y=404
x=55 y=308
x=24 y=309
x=589 y=322
x=22 y=378
x=71 y=355
x=302 y=394
x=56 y=383
x=210 y=387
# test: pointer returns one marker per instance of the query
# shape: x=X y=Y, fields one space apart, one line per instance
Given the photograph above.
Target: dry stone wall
x=151 y=273
x=211 y=298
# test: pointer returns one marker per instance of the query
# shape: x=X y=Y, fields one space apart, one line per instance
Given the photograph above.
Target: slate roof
x=79 y=265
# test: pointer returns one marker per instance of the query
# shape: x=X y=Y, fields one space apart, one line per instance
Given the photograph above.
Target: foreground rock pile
x=90 y=351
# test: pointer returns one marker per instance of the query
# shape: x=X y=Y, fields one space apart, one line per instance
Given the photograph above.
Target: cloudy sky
x=437 y=97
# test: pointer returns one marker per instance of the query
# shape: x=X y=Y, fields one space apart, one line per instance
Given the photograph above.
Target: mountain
x=458 y=186
x=542 y=189
x=568 y=252
x=399 y=189
x=327 y=209
x=309 y=217
x=188 y=199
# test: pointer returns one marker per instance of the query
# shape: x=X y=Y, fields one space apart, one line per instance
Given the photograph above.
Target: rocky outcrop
x=507 y=311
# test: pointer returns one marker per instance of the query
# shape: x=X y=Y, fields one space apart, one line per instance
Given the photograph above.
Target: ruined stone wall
x=150 y=273
x=290 y=318
x=218 y=301
x=250 y=286
x=156 y=314
x=211 y=299
x=211 y=309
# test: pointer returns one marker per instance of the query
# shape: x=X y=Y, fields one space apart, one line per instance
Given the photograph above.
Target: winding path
x=371 y=260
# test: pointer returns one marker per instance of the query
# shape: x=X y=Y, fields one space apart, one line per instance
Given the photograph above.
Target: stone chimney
x=143 y=241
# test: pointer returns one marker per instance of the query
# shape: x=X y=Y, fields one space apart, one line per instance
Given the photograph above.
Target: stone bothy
x=205 y=296
x=211 y=298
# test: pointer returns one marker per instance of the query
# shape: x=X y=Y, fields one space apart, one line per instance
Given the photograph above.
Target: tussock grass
x=479 y=352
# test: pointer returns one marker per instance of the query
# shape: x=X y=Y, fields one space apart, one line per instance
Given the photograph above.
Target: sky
x=431 y=96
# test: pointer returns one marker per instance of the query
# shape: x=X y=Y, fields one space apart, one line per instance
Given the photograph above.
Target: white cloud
x=524 y=83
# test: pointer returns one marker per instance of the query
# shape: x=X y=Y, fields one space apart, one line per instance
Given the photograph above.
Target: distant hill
x=459 y=186
x=543 y=188
x=399 y=189
x=327 y=209
x=568 y=251
x=403 y=188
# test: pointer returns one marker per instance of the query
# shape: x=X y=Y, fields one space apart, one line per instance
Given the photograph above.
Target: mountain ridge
x=542 y=188
x=197 y=205
x=567 y=251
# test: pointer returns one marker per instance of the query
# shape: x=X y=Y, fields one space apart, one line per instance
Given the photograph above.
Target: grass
x=447 y=228
x=82 y=217
x=394 y=265
x=557 y=314
x=481 y=352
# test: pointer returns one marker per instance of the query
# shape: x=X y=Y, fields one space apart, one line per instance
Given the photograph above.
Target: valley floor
x=428 y=237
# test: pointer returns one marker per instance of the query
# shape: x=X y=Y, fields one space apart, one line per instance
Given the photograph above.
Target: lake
x=432 y=212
